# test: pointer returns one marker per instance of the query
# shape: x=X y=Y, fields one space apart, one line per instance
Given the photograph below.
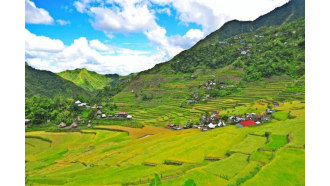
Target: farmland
x=101 y=156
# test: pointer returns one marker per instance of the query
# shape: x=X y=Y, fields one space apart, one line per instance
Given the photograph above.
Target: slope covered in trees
x=208 y=53
x=45 y=83
x=86 y=79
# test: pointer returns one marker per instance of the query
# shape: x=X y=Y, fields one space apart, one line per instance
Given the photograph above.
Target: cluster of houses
x=73 y=124
x=80 y=104
x=206 y=123
x=215 y=120
x=120 y=115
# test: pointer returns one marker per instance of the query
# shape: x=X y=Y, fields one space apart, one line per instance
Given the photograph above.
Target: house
x=103 y=116
x=223 y=42
x=62 y=125
x=178 y=127
x=27 y=121
x=77 y=102
x=122 y=114
x=239 y=119
x=265 y=118
x=190 y=101
x=170 y=125
x=89 y=125
x=204 y=129
x=211 y=126
x=129 y=117
x=269 y=111
x=276 y=104
x=247 y=123
x=221 y=124
x=243 y=52
x=258 y=122
x=73 y=125
x=98 y=113
x=110 y=116
x=239 y=125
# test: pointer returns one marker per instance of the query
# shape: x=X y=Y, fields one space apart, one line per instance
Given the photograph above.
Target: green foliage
x=86 y=79
x=155 y=181
x=189 y=182
x=45 y=83
x=241 y=180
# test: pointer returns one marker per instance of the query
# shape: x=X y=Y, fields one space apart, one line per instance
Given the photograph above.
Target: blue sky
x=124 y=36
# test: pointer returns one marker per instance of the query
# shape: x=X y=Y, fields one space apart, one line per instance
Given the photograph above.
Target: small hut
x=74 y=125
x=62 y=125
x=99 y=113
x=89 y=125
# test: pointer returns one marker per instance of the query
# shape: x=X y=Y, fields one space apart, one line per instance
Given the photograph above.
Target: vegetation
x=120 y=152
x=45 y=83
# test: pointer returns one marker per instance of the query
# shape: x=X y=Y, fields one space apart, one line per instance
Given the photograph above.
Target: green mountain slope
x=206 y=53
x=45 y=83
x=267 y=63
x=86 y=79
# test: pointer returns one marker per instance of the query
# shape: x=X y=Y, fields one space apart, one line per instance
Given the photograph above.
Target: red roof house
x=247 y=123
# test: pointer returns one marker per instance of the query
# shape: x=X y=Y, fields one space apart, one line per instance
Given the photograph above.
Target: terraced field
x=102 y=156
x=169 y=100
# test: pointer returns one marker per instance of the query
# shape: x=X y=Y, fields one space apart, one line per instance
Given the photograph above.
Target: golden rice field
x=99 y=156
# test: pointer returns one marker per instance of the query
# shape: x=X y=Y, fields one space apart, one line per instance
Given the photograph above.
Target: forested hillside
x=210 y=53
x=45 y=83
x=86 y=79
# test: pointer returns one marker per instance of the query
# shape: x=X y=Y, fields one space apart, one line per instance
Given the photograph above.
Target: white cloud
x=93 y=55
x=62 y=22
x=211 y=14
x=35 y=15
x=164 y=11
x=137 y=16
x=132 y=18
x=42 y=43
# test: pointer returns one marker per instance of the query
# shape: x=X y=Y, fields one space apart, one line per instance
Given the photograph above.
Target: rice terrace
x=230 y=110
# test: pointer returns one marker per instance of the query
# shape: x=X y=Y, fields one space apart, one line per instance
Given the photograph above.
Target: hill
x=266 y=64
x=86 y=79
x=45 y=83
x=206 y=53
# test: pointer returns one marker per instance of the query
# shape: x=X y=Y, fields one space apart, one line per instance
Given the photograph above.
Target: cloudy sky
x=124 y=36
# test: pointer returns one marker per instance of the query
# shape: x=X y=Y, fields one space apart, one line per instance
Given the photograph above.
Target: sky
x=124 y=36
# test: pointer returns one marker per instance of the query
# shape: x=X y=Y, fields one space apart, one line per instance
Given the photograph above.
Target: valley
x=246 y=71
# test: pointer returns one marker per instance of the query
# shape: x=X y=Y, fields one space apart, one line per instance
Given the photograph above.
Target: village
x=215 y=120
x=207 y=122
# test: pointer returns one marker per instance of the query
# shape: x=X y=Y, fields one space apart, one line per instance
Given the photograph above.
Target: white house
x=129 y=117
x=103 y=116
x=211 y=126
x=77 y=102
x=221 y=124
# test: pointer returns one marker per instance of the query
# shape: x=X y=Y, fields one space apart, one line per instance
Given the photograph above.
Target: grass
x=251 y=143
x=229 y=167
x=276 y=141
x=288 y=168
x=105 y=155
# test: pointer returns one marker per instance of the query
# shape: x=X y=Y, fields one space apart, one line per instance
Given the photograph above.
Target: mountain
x=45 y=83
x=260 y=60
x=88 y=80
x=194 y=57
